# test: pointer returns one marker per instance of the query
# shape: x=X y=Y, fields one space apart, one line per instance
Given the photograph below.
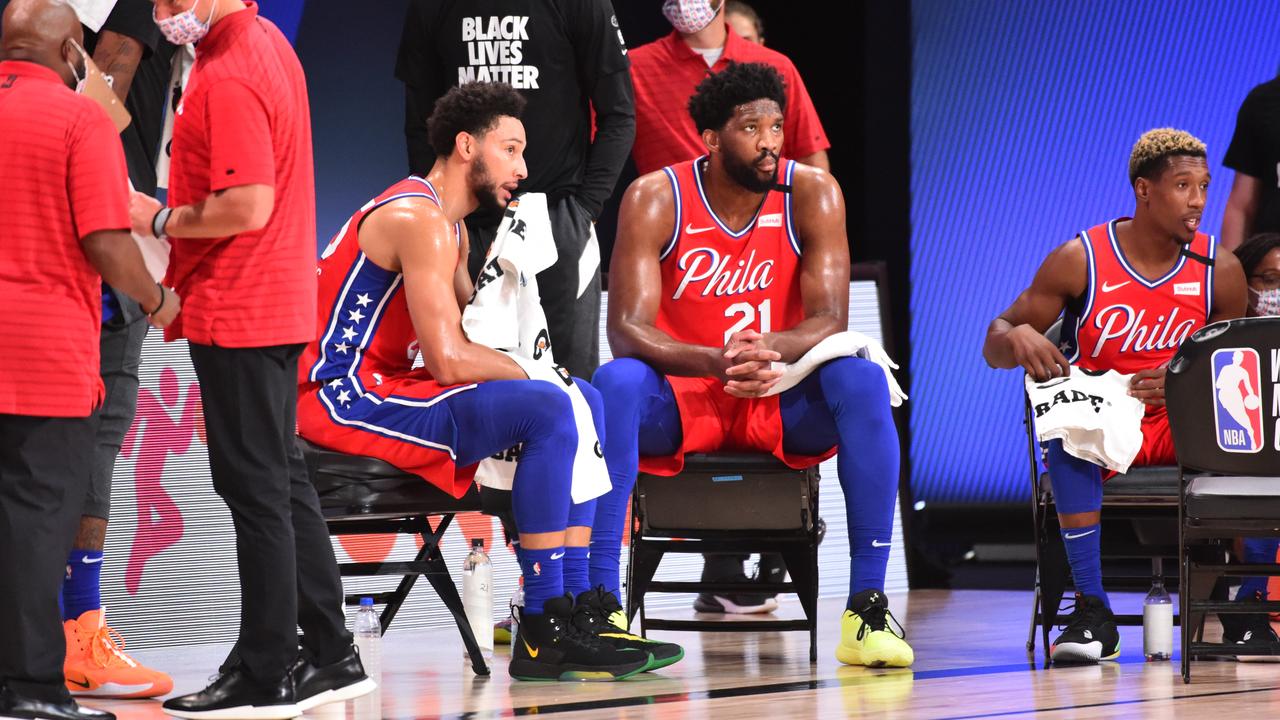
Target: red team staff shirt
x=665 y=73
x=244 y=120
x=64 y=179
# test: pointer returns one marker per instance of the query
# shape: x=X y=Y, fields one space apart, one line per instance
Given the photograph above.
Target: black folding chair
x=1229 y=477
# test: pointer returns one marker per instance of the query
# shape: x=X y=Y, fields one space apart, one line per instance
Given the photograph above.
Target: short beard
x=745 y=173
x=481 y=184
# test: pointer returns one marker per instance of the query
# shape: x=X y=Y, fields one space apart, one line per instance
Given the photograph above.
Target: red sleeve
x=97 y=180
x=239 y=137
x=804 y=133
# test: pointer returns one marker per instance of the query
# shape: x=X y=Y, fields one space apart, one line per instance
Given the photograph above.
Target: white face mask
x=183 y=28
x=1266 y=302
x=79 y=76
x=689 y=16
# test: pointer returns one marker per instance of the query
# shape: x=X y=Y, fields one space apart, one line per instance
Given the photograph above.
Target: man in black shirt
x=567 y=58
x=1254 y=204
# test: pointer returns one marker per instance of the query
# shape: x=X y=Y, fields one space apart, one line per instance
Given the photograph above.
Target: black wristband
x=159 y=220
x=160 y=304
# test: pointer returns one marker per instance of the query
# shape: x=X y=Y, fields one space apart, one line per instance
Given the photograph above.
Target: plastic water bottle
x=1157 y=622
x=368 y=634
x=477 y=595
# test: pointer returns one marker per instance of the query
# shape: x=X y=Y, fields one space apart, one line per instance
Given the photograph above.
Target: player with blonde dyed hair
x=1129 y=292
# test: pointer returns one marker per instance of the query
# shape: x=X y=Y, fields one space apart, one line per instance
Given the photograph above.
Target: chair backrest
x=1220 y=392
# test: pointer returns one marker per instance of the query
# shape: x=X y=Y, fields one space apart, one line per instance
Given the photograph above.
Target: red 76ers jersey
x=715 y=281
x=1127 y=322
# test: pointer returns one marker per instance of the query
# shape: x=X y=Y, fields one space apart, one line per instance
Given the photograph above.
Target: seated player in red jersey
x=394 y=281
x=1130 y=291
x=722 y=266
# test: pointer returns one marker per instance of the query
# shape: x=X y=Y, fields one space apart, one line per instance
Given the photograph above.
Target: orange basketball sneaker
x=97 y=666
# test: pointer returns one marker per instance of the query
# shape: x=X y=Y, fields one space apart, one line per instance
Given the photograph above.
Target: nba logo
x=1237 y=401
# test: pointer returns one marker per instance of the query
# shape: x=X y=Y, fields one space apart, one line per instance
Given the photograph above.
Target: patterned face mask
x=689 y=16
x=1266 y=302
x=183 y=28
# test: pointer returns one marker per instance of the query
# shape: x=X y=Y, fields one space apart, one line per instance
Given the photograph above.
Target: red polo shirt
x=665 y=73
x=244 y=120
x=63 y=177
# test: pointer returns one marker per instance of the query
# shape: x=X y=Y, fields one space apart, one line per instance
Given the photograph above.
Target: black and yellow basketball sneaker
x=865 y=635
x=1090 y=635
x=550 y=647
x=598 y=612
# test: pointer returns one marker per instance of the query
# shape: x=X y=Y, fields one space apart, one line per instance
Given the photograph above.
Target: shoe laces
x=107 y=648
x=1083 y=615
x=876 y=618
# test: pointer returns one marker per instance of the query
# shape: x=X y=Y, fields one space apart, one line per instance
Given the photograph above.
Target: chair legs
x=802 y=563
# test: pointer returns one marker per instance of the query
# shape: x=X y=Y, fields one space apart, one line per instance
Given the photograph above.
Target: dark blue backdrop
x=1023 y=115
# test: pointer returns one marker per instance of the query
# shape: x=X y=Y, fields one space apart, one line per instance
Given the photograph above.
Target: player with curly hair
x=1130 y=291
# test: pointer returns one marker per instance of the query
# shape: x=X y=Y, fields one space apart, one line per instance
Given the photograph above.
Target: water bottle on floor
x=368 y=637
x=1157 y=621
x=477 y=595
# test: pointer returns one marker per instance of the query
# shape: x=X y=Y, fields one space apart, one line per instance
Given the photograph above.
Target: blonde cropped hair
x=1156 y=145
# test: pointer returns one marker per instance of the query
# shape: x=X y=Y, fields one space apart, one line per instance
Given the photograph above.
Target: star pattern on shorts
x=342 y=347
x=344 y=397
x=337 y=382
x=363 y=299
x=355 y=315
x=348 y=333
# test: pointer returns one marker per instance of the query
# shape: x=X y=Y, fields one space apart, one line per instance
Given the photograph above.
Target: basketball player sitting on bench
x=718 y=271
x=394 y=279
x=1130 y=291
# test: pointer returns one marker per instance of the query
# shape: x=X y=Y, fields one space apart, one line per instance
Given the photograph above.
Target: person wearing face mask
x=64 y=219
x=241 y=222
x=1260 y=259
x=666 y=71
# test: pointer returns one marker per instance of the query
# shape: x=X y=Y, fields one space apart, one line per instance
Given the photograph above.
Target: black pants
x=288 y=574
x=45 y=465
x=572 y=319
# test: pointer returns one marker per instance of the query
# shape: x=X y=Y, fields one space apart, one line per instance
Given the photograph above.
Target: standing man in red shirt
x=64 y=219
x=241 y=220
x=666 y=71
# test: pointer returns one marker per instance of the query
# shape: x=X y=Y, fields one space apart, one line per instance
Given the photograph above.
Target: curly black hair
x=1252 y=251
x=718 y=94
x=471 y=108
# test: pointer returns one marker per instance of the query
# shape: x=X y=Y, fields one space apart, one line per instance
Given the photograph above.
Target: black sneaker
x=314 y=685
x=739 y=603
x=1090 y=634
x=598 y=612
x=13 y=705
x=1251 y=631
x=234 y=694
x=771 y=568
x=550 y=647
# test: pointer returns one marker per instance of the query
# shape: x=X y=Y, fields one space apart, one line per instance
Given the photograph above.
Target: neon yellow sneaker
x=598 y=612
x=865 y=636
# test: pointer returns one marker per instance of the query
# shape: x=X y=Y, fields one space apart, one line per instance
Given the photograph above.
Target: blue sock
x=543 y=572
x=846 y=404
x=1084 y=552
x=577 y=571
x=1257 y=551
x=81 y=591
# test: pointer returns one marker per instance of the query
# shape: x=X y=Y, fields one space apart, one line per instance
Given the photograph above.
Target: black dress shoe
x=13 y=705
x=234 y=694
x=316 y=685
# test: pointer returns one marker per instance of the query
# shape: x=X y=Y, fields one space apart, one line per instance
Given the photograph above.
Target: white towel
x=849 y=343
x=1092 y=413
x=505 y=314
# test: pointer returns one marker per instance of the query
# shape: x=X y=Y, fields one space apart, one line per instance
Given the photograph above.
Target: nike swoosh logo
x=78 y=683
x=877 y=543
x=691 y=230
x=1107 y=287
x=1069 y=536
x=556 y=556
x=532 y=653
x=87 y=561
